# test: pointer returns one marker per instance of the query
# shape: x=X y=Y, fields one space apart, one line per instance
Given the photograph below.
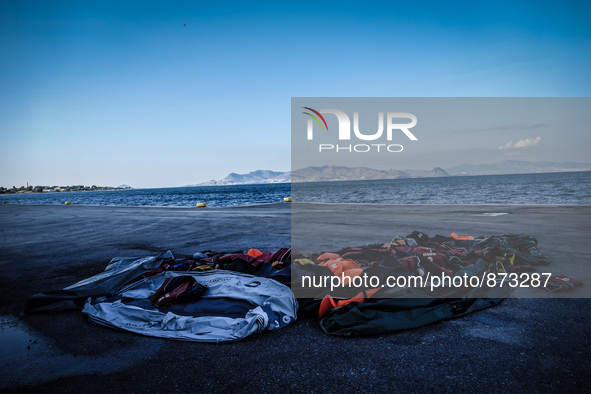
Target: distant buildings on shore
x=57 y=189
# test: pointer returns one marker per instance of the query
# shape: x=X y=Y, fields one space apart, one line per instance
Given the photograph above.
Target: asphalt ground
x=523 y=344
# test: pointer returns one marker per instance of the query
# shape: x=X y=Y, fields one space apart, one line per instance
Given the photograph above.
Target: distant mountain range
x=342 y=173
x=253 y=177
x=324 y=173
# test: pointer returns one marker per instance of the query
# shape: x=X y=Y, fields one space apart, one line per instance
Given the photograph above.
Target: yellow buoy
x=287 y=199
x=68 y=203
x=201 y=205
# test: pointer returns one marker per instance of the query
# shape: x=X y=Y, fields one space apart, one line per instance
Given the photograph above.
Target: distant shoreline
x=109 y=188
x=561 y=188
x=58 y=189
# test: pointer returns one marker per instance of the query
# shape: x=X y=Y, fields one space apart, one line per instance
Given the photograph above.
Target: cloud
x=504 y=127
x=526 y=143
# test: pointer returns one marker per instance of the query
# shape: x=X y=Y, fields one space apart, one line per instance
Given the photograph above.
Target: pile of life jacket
x=354 y=310
x=185 y=292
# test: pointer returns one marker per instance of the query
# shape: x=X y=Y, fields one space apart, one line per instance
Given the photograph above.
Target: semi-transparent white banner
x=440 y=197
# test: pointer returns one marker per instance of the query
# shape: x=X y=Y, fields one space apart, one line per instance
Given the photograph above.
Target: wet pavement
x=519 y=345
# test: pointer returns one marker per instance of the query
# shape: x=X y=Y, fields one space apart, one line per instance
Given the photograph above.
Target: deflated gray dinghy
x=234 y=306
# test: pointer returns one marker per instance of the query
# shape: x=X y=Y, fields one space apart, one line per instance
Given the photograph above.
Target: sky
x=155 y=94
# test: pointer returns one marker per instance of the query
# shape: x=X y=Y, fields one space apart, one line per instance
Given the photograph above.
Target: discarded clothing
x=225 y=296
x=388 y=313
x=179 y=289
x=119 y=272
x=461 y=237
x=366 y=310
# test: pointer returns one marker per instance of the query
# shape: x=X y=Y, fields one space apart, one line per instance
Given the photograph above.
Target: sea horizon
x=558 y=188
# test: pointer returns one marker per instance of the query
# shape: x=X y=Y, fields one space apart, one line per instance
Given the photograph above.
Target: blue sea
x=564 y=188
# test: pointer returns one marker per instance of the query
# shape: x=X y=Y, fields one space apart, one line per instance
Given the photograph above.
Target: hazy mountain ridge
x=342 y=173
x=253 y=177
x=323 y=173
x=433 y=173
x=258 y=176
